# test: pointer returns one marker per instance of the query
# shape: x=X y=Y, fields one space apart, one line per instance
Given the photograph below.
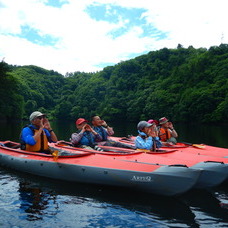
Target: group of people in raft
x=152 y=134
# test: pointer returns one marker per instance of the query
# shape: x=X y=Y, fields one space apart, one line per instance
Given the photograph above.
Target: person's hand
x=170 y=125
x=84 y=128
x=88 y=127
x=46 y=124
x=153 y=131
x=103 y=123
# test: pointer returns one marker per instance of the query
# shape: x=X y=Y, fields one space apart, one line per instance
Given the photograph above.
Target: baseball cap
x=143 y=124
x=80 y=121
x=35 y=114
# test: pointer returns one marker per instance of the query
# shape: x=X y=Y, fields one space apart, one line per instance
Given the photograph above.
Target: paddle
x=64 y=143
x=106 y=151
x=61 y=153
x=200 y=146
x=156 y=152
x=55 y=154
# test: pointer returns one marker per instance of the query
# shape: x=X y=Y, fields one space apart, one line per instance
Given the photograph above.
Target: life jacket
x=102 y=132
x=144 y=136
x=41 y=144
x=87 y=139
x=164 y=134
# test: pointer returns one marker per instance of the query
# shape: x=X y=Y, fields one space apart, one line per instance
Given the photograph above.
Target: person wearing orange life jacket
x=167 y=133
x=36 y=136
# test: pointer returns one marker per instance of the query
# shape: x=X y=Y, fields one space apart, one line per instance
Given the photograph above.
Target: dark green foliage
x=11 y=101
x=181 y=84
x=39 y=88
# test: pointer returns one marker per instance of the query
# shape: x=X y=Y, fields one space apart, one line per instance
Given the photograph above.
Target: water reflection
x=35 y=201
x=41 y=198
x=47 y=201
x=151 y=207
x=206 y=206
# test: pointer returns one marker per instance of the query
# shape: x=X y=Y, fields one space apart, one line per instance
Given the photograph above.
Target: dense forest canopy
x=181 y=84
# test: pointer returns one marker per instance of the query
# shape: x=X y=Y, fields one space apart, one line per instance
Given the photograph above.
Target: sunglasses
x=40 y=117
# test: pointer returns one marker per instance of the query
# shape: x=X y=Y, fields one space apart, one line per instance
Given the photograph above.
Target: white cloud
x=197 y=23
x=83 y=43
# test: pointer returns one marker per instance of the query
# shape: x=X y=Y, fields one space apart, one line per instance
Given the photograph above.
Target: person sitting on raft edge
x=86 y=137
x=167 y=133
x=35 y=137
x=102 y=128
x=148 y=136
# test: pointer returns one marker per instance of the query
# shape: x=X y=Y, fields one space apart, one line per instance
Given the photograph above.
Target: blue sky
x=87 y=35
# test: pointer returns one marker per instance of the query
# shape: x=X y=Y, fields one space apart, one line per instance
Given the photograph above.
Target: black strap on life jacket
x=143 y=136
x=42 y=141
x=154 y=144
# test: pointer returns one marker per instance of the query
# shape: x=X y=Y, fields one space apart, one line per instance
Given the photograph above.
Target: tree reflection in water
x=35 y=201
x=43 y=202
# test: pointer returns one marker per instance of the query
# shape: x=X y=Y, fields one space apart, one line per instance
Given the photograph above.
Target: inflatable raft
x=95 y=168
x=214 y=169
x=200 y=149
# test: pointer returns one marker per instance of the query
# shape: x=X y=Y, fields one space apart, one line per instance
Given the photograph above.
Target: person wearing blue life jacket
x=86 y=137
x=35 y=137
x=102 y=128
x=148 y=136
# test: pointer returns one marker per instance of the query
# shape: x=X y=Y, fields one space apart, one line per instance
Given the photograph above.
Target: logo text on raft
x=141 y=178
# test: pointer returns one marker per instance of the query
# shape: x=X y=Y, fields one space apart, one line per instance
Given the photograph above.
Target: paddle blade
x=55 y=155
x=200 y=146
x=143 y=150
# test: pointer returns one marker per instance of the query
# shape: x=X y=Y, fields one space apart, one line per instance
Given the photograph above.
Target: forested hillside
x=181 y=84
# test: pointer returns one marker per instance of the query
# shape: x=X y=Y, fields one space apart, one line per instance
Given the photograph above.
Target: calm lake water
x=30 y=201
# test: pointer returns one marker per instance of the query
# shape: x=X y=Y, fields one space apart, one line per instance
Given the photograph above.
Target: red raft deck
x=89 y=167
x=189 y=152
x=200 y=149
x=214 y=170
